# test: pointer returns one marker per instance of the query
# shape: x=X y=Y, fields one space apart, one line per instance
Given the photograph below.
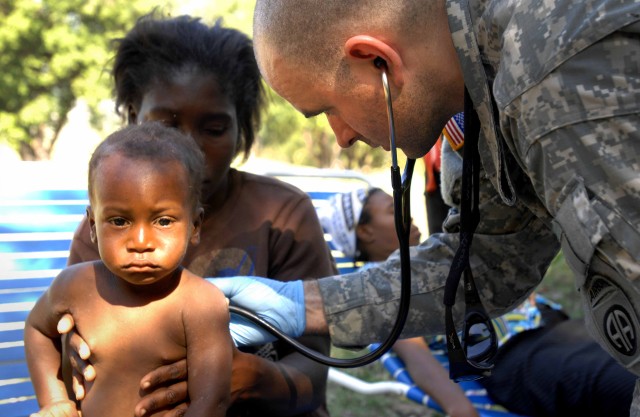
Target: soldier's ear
x=364 y=53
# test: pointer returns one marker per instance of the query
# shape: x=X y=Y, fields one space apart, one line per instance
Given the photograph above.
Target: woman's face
x=379 y=235
x=195 y=104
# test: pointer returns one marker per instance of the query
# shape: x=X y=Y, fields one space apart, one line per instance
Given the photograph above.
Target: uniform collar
x=491 y=146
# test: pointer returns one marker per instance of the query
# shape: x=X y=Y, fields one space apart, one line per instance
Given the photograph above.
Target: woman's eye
x=217 y=130
x=168 y=121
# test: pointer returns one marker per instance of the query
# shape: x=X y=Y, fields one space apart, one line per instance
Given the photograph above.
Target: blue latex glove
x=281 y=304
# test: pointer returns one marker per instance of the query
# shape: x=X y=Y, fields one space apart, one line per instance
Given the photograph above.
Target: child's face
x=195 y=104
x=142 y=218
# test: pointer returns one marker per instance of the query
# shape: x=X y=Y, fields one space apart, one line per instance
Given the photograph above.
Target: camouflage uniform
x=556 y=84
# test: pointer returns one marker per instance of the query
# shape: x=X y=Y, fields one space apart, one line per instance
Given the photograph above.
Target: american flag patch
x=454 y=131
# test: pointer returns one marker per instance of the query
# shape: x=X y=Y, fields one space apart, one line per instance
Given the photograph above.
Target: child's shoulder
x=75 y=279
x=82 y=270
x=202 y=304
x=198 y=288
x=194 y=281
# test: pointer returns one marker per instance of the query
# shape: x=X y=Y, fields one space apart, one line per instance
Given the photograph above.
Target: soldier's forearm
x=316 y=322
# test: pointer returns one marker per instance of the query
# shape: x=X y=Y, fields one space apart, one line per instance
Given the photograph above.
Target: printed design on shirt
x=226 y=262
x=267 y=351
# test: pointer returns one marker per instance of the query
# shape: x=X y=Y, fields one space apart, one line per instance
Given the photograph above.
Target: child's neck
x=122 y=292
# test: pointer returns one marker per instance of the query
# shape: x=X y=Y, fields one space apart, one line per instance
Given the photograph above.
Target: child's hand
x=64 y=408
x=78 y=353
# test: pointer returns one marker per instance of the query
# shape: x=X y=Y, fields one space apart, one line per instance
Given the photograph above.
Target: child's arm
x=209 y=351
x=43 y=352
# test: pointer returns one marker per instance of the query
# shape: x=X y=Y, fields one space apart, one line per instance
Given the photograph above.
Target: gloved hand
x=281 y=304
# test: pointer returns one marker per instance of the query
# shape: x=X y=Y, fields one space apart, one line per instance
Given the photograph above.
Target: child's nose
x=141 y=238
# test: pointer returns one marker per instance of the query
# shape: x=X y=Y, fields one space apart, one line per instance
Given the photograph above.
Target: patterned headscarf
x=340 y=217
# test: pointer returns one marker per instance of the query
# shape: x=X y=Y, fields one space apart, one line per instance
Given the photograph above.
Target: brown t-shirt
x=266 y=228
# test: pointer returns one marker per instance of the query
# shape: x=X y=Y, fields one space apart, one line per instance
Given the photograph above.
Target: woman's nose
x=345 y=135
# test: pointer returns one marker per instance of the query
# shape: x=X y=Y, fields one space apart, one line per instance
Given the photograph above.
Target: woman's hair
x=365 y=218
x=154 y=142
x=157 y=49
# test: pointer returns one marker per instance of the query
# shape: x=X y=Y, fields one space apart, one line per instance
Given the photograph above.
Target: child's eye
x=164 y=221
x=118 y=221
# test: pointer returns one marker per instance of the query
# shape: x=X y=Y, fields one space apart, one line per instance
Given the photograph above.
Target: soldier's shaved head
x=314 y=32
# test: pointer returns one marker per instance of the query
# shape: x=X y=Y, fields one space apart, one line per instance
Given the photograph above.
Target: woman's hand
x=165 y=388
x=77 y=352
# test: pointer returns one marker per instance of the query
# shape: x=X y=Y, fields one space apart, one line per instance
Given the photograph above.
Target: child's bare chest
x=139 y=336
x=126 y=343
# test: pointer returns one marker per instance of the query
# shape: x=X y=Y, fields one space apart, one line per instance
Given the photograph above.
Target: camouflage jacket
x=556 y=84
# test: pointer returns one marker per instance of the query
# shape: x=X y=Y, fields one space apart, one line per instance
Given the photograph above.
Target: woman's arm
x=291 y=386
x=431 y=377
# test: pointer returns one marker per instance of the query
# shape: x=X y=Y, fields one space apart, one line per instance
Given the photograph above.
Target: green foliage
x=51 y=53
x=559 y=285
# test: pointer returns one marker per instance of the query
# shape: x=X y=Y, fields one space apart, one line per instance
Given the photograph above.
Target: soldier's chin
x=414 y=151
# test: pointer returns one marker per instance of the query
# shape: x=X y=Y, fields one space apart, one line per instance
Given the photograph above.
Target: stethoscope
x=402 y=215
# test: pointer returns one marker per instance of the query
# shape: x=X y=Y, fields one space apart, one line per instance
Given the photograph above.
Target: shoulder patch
x=454 y=131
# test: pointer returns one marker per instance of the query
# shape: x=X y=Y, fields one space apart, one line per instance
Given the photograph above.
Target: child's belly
x=124 y=348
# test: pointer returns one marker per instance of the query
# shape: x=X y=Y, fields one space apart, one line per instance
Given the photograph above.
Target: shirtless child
x=137 y=308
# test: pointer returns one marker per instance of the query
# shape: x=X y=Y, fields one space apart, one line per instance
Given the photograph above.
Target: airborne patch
x=615 y=319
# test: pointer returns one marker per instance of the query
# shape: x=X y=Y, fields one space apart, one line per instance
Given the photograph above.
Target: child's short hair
x=158 y=48
x=152 y=141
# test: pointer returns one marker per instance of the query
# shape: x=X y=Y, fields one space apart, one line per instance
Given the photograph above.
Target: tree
x=51 y=53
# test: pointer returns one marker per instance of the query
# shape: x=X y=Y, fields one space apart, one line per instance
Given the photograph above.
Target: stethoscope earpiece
x=379 y=63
